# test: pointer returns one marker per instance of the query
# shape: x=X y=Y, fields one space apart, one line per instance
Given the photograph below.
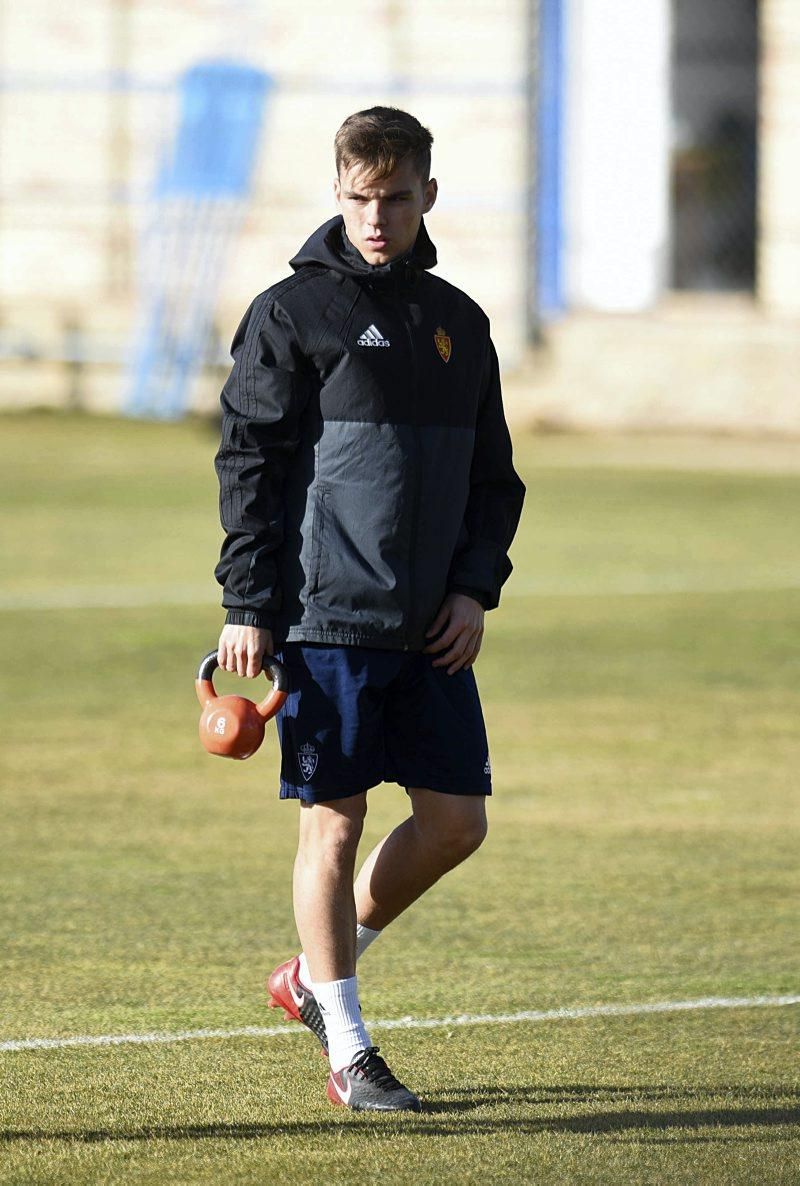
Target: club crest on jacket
x=443 y=344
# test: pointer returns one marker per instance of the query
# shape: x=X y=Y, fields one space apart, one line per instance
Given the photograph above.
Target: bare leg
x=324 y=907
x=442 y=832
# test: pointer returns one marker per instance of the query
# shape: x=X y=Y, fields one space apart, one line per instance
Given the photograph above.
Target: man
x=369 y=499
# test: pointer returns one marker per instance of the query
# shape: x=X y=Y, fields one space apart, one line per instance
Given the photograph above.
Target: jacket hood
x=330 y=246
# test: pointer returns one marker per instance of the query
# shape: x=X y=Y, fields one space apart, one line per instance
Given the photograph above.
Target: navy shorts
x=359 y=716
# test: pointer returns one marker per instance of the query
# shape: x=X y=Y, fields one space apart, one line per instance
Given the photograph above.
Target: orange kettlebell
x=233 y=726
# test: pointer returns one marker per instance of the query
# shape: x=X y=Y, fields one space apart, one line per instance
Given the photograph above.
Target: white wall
x=616 y=153
x=779 y=159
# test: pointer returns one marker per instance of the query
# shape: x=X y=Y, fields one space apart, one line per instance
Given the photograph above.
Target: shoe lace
x=373 y=1068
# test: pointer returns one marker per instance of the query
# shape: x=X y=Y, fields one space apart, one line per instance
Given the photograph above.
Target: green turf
x=642 y=686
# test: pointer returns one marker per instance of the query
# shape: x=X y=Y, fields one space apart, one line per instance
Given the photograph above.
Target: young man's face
x=382 y=217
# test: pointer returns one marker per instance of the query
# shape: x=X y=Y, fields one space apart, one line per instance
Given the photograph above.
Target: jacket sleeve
x=494 y=504
x=262 y=404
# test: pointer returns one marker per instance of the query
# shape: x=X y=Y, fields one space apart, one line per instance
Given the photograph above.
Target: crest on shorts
x=308 y=757
x=443 y=344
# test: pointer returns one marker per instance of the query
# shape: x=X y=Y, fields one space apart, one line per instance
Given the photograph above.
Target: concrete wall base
x=701 y=363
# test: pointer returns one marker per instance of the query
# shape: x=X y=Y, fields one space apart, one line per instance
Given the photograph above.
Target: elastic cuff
x=248 y=617
x=483 y=599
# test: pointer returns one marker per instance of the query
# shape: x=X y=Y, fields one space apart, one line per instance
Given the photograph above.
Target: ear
x=429 y=192
x=337 y=191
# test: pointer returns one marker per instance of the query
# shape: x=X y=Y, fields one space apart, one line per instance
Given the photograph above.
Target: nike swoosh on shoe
x=286 y=992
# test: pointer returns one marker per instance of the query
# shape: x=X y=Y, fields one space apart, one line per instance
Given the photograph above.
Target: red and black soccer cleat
x=287 y=992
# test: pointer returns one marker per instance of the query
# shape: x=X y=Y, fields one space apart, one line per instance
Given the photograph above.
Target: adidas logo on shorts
x=372 y=336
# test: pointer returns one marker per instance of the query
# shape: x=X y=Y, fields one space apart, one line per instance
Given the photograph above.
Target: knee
x=459 y=837
x=331 y=835
x=470 y=836
x=338 y=841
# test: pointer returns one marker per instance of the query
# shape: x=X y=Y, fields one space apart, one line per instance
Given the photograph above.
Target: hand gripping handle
x=276 y=671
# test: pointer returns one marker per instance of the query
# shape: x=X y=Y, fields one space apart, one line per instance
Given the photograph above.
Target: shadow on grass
x=454 y=1114
x=639 y=1123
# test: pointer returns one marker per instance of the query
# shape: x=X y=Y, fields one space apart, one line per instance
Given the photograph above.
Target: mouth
x=377 y=243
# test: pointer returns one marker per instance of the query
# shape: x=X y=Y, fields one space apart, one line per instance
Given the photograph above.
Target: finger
x=253 y=663
x=458 y=664
x=476 y=646
x=470 y=659
x=456 y=651
x=439 y=622
x=448 y=638
x=241 y=663
x=228 y=662
x=467 y=656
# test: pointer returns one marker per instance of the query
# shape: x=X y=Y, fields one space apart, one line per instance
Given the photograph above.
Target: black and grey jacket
x=365 y=466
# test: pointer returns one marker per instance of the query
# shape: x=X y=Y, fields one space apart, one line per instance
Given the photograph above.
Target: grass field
x=642 y=687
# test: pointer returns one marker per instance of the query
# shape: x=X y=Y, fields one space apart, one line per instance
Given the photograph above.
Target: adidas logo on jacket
x=372 y=336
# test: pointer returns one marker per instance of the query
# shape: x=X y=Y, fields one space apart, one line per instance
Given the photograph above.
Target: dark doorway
x=714 y=110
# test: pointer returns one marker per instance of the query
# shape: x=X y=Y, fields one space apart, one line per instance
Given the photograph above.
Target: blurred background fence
x=617 y=189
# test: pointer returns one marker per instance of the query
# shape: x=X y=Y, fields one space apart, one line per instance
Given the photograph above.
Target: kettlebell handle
x=271 y=703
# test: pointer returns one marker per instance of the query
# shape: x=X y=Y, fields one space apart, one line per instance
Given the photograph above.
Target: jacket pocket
x=317 y=538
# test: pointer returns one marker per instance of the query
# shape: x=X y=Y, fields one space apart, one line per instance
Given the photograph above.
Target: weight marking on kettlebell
x=220 y=725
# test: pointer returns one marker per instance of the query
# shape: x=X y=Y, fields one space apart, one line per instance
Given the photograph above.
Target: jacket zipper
x=417 y=497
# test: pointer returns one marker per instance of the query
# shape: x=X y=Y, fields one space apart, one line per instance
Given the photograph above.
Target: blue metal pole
x=551 y=181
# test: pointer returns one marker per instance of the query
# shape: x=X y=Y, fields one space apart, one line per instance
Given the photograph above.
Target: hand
x=461 y=618
x=241 y=647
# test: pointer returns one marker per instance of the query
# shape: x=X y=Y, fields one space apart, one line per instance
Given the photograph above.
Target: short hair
x=380 y=139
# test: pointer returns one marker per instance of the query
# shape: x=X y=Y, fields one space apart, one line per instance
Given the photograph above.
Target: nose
x=375 y=215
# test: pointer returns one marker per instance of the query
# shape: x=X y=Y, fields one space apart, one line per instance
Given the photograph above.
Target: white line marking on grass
x=659 y=587
x=141 y=597
x=109 y=597
x=411 y=1023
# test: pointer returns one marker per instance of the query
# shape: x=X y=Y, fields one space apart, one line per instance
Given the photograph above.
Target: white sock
x=338 y=1002
x=364 y=936
x=303 y=972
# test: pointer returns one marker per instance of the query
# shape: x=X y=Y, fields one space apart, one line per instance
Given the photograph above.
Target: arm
x=481 y=565
x=262 y=404
x=494 y=504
